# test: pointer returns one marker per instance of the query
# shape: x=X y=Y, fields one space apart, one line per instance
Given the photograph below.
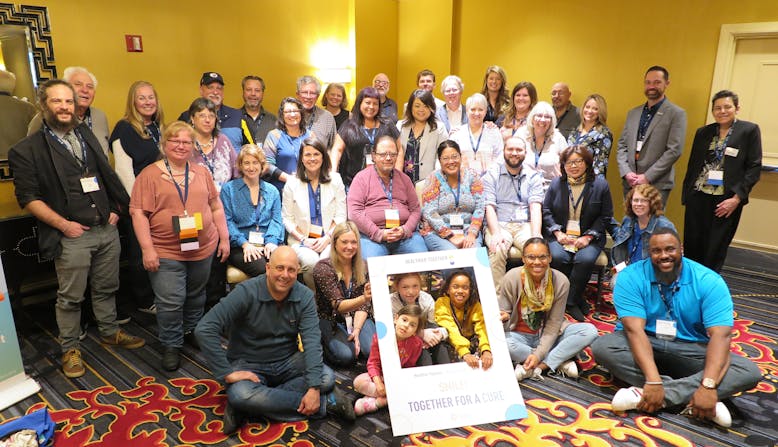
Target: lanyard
x=370 y=135
x=88 y=118
x=183 y=196
x=577 y=202
x=456 y=319
x=456 y=194
x=538 y=153
x=720 y=145
x=208 y=163
x=672 y=288
x=258 y=209
x=347 y=292
x=82 y=162
x=153 y=130
x=315 y=207
x=517 y=185
x=473 y=144
x=635 y=242
x=381 y=181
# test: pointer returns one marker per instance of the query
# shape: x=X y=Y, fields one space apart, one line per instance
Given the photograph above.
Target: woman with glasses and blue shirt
x=283 y=143
x=357 y=138
x=452 y=203
x=544 y=143
x=577 y=211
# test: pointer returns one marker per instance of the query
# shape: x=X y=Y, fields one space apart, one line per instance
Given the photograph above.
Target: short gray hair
x=308 y=79
x=452 y=79
x=476 y=99
x=72 y=71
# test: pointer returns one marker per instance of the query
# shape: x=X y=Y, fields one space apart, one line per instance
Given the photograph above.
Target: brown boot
x=124 y=340
x=72 y=365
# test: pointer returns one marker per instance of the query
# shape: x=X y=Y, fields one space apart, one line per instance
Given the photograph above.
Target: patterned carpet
x=126 y=399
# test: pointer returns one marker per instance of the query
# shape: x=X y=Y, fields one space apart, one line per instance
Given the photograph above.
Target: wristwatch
x=709 y=383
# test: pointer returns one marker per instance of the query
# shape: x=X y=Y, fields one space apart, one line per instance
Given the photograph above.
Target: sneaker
x=82 y=335
x=626 y=399
x=122 y=318
x=171 y=359
x=365 y=405
x=568 y=369
x=72 y=365
x=721 y=417
x=231 y=420
x=191 y=340
x=521 y=373
x=340 y=405
x=123 y=339
x=151 y=310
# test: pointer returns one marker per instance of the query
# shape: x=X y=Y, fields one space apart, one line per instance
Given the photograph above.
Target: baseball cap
x=211 y=76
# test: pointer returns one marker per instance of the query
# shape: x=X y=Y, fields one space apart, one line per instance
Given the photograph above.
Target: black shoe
x=575 y=312
x=340 y=405
x=171 y=359
x=231 y=421
x=122 y=318
x=189 y=337
x=585 y=307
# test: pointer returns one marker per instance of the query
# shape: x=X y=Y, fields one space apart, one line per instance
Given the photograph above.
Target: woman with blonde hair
x=496 y=92
x=544 y=143
x=592 y=133
x=335 y=101
x=343 y=298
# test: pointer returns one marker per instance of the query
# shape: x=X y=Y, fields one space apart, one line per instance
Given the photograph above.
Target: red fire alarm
x=134 y=43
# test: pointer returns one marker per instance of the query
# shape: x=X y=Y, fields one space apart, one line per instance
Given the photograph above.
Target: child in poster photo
x=408 y=323
x=459 y=312
x=407 y=288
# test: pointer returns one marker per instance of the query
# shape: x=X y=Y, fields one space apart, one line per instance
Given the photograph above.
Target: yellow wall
x=376 y=43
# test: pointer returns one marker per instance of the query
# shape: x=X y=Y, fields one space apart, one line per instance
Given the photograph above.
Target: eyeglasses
x=291 y=112
x=380 y=82
x=451 y=91
x=309 y=94
x=577 y=162
x=185 y=143
x=533 y=258
x=386 y=155
x=203 y=116
x=450 y=158
x=543 y=117
x=638 y=201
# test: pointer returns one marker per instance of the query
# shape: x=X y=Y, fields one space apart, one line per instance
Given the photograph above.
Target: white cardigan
x=296 y=212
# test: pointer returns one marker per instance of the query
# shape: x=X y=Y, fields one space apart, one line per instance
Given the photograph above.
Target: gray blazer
x=661 y=148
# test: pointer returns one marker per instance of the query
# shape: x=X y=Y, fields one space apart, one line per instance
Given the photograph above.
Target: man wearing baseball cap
x=212 y=87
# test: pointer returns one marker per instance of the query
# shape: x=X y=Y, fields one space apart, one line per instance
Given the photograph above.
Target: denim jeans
x=573 y=340
x=179 y=293
x=414 y=244
x=95 y=256
x=338 y=350
x=437 y=243
x=681 y=365
x=280 y=389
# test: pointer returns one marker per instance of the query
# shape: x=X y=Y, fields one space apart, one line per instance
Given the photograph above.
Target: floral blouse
x=599 y=141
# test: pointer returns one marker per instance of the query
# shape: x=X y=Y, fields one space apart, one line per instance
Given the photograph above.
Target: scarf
x=531 y=304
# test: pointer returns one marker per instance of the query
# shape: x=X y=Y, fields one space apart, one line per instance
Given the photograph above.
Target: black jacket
x=596 y=209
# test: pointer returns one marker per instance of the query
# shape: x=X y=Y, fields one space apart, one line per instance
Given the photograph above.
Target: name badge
x=256 y=238
x=731 y=152
x=520 y=214
x=639 y=146
x=315 y=231
x=89 y=184
x=666 y=329
x=620 y=266
x=392 y=216
x=457 y=224
x=187 y=228
x=349 y=324
x=715 y=178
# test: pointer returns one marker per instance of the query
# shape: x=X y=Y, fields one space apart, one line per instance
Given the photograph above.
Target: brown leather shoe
x=72 y=365
x=124 y=340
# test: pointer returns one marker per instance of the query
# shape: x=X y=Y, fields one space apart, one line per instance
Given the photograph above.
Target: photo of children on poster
x=440 y=361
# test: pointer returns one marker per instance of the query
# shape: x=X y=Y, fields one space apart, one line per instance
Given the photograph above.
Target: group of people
x=316 y=191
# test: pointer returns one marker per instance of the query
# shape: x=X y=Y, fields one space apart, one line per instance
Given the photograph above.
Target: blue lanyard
x=347 y=292
x=153 y=130
x=370 y=135
x=314 y=204
x=577 y=202
x=82 y=162
x=258 y=208
x=208 y=163
x=381 y=181
x=88 y=118
x=517 y=185
x=473 y=144
x=635 y=242
x=668 y=303
x=538 y=153
x=721 y=145
x=183 y=196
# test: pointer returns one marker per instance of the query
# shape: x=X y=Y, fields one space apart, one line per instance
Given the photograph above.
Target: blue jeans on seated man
x=681 y=365
x=437 y=243
x=280 y=389
x=574 y=339
x=413 y=244
x=179 y=293
x=338 y=349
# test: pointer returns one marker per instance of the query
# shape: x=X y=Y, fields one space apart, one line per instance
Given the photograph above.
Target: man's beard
x=513 y=165
x=668 y=277
x=61 y=126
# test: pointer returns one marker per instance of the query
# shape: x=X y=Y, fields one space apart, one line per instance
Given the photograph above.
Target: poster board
x=14 y=383
x=438 y=397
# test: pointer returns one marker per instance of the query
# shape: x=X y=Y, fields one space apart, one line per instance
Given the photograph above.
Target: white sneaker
x=522 y=373
x=568 y=369
x=626 y=399
x=721 y=418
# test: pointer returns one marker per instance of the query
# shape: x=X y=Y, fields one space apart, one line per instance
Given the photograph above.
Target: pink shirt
x=409 y=350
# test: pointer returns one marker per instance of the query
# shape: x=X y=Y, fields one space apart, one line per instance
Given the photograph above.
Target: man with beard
x=63 y=178
x=85 y=85
x=388 y=108
x=652 y=138
x=265 y=372
x=229 y=119
x=672 y=343
x=567 y=116
x=316 y=119
x=513 y=207
x=256 y=121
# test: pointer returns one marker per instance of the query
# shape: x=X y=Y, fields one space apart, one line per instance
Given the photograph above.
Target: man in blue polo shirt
x=673 y=338
x=212 y=87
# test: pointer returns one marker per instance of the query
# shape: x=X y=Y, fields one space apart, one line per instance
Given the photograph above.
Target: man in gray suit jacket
x=652 y=138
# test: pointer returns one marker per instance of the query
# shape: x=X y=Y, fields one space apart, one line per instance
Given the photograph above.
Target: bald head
x=381 y=83
x=560 y=96
x=282 y=272
x=7 y=82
